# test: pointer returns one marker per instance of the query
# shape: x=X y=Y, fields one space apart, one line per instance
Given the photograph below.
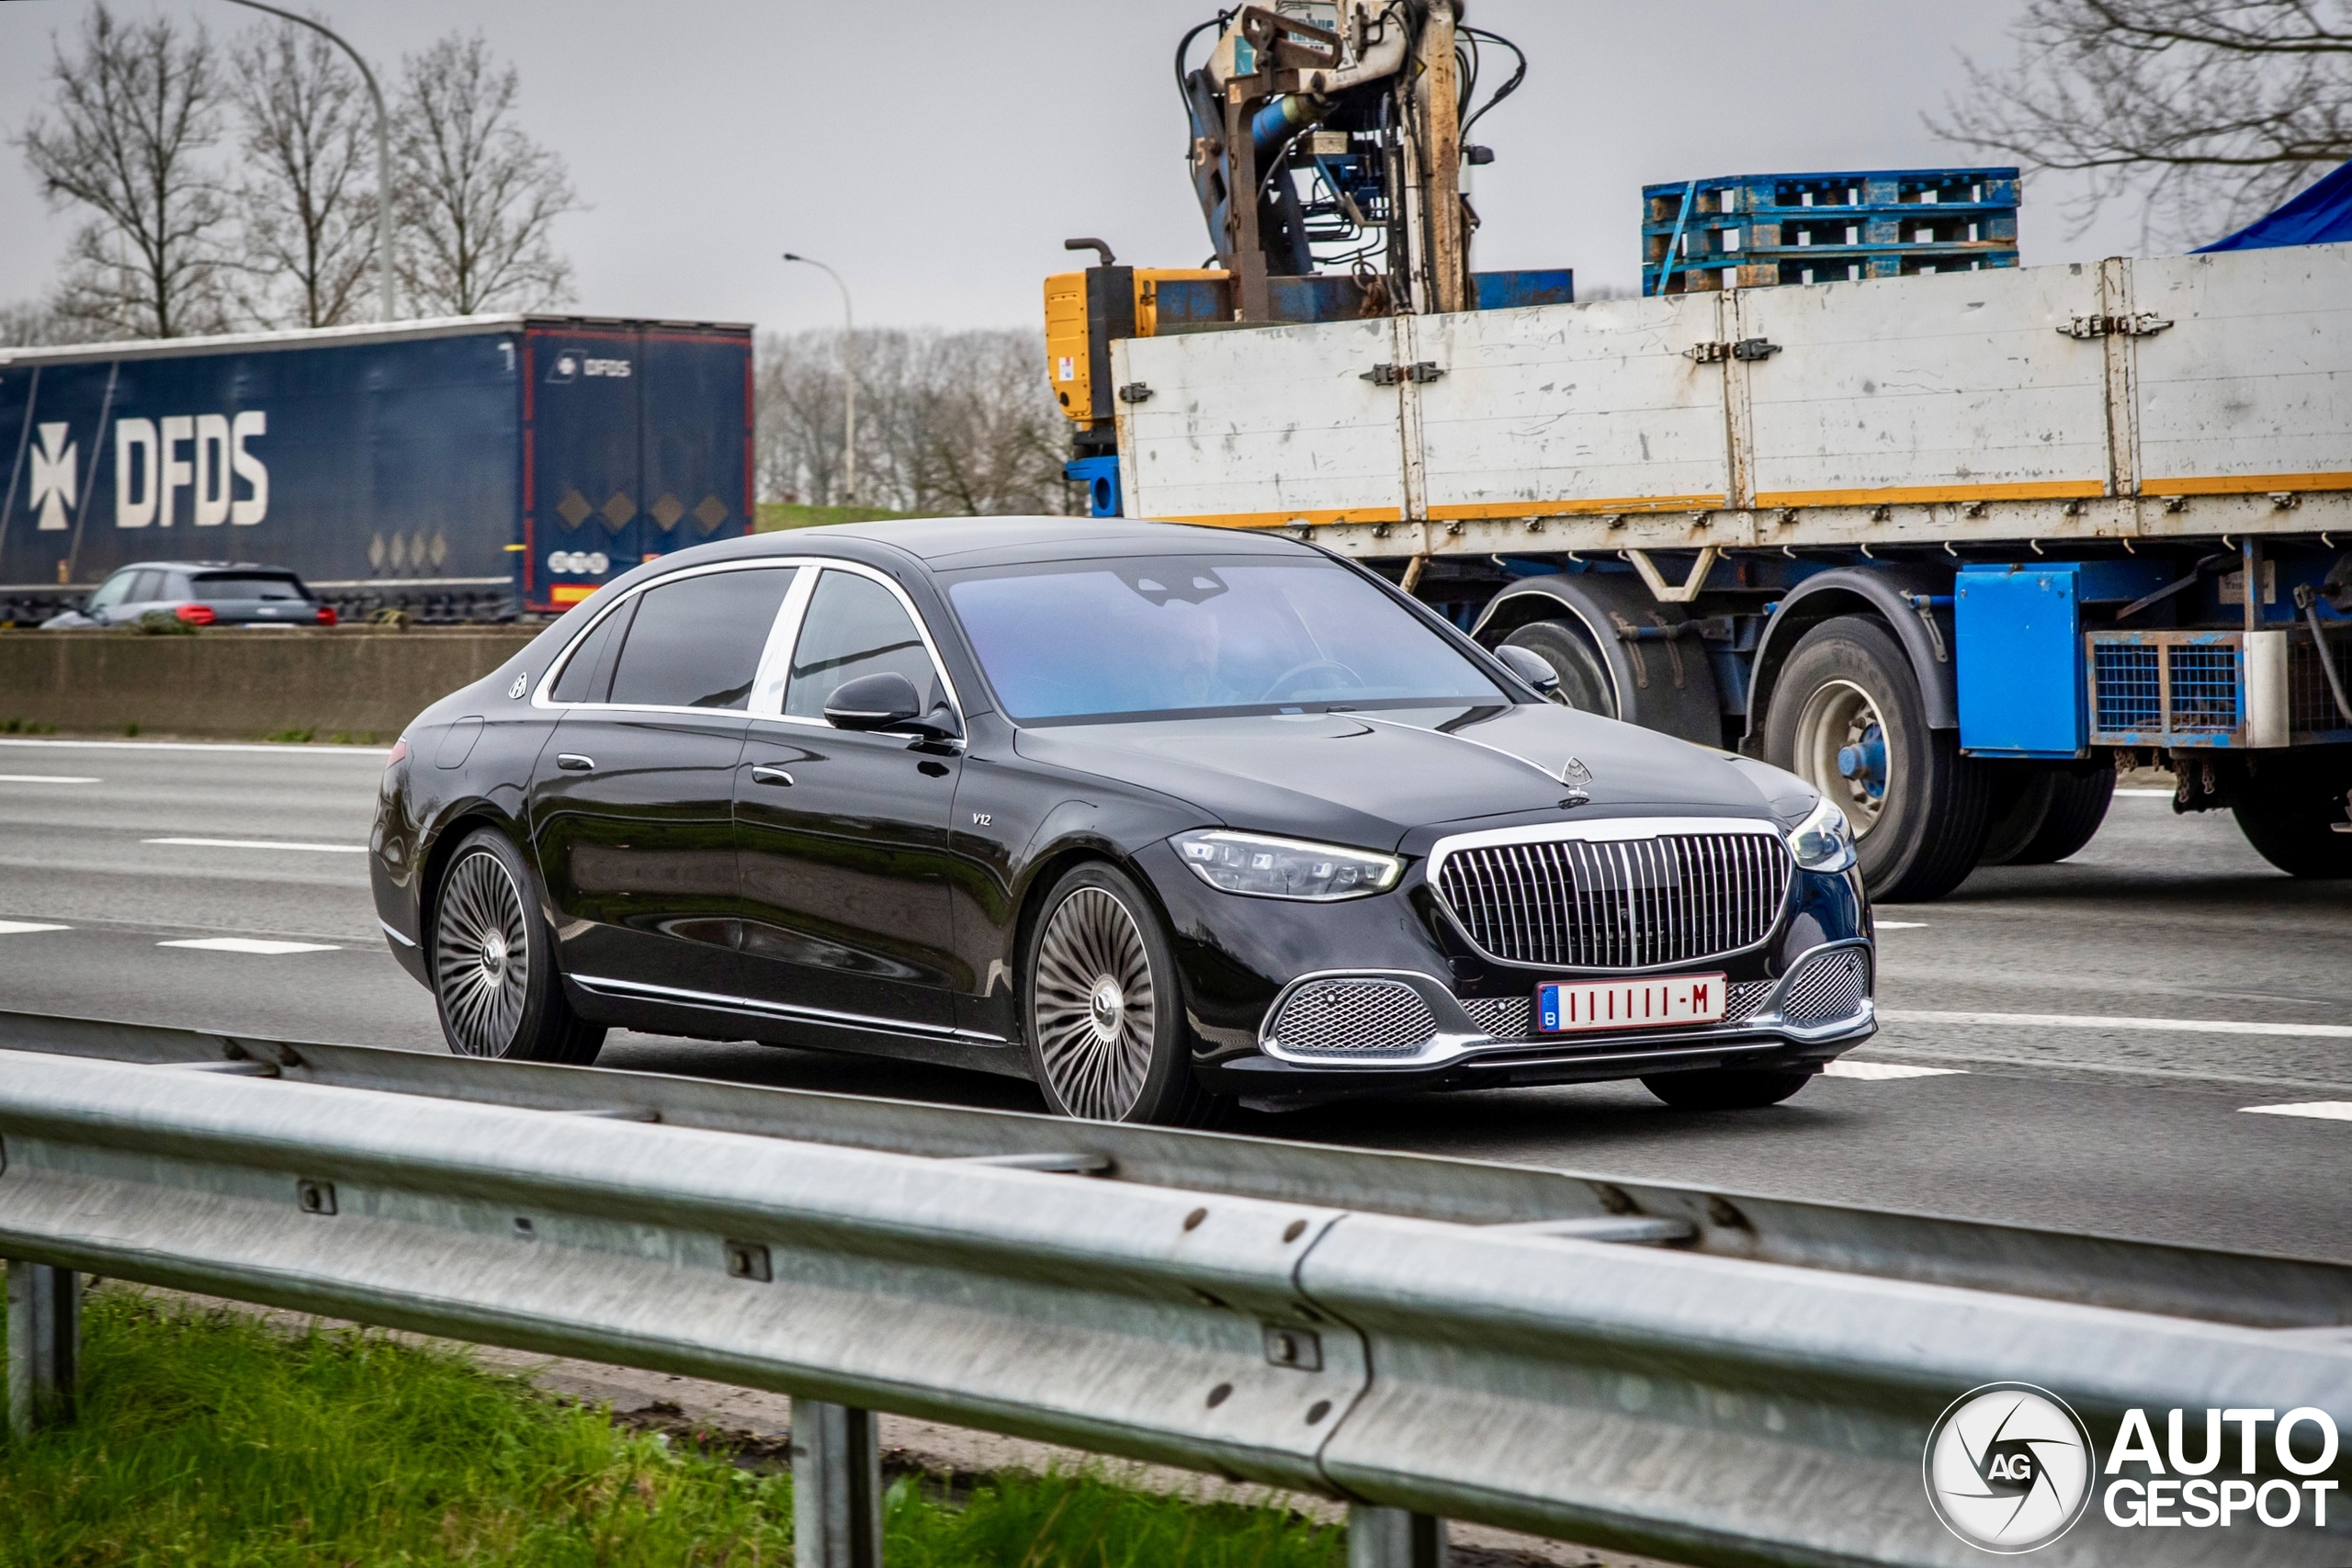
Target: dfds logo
x=226 y=481
x=2010 y=1468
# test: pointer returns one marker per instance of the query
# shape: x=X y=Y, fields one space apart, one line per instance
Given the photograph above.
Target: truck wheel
x=1584 y=679
x=2042 y=814
x=2290 y=813
x=1846 y=717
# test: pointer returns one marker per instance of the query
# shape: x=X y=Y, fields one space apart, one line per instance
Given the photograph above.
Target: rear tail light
x=326 y=614
x=196 y=614
x=400 y=754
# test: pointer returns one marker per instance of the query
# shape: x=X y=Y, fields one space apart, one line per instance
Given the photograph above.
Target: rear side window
x=855 y=627
x=147 y=585
x=696 y=643
x=587 y=676
x=247 y=585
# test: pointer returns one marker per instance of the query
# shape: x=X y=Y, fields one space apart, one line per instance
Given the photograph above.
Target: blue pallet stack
x=1748 y=230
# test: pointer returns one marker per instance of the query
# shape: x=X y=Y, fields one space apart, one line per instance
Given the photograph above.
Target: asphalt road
x=2098 y=1031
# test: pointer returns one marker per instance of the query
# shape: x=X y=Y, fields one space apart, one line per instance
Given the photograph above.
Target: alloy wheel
x=481 y=955
x=1094 y=1009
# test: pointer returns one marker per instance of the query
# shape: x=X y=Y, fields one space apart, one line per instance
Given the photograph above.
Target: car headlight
x=1284 y=868
x=1823 y=842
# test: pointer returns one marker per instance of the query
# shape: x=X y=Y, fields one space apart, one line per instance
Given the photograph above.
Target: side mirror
x=886 y=701
x=1530 y=666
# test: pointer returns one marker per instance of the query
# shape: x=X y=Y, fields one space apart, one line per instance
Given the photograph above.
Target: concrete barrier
x=357 y=683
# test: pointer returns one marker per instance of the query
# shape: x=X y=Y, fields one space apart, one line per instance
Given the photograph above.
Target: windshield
x=246 y=586
x=1179 y=635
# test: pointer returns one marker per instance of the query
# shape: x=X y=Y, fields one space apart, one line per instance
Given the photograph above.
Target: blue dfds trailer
x=471 y=468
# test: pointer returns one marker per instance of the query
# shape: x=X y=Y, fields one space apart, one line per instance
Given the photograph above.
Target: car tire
x=495 y=984
x=1585 y=684
x=1727 y=1088
x=1919 y=807
x=1102 y=1012
x=2290 y=809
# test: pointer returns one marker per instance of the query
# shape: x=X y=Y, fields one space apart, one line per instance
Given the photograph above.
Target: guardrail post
x=836 y=1486
x=1394 y=1538
x=44 y=1344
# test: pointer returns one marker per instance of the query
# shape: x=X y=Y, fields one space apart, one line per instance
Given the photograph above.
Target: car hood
x=1370 y=779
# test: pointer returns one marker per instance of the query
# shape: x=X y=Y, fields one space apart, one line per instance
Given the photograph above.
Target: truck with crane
x=1950 y=537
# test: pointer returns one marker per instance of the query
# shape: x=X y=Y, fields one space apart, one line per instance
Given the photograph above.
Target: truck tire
x=2291 y=811
x=1846 y=717
x=2044 y=815
x=1584 y=679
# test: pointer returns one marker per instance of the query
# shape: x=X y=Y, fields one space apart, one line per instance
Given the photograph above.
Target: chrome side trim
x=396 y=936
x=604 y=985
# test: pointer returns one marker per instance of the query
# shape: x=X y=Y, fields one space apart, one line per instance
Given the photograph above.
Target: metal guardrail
x=1436 y=1338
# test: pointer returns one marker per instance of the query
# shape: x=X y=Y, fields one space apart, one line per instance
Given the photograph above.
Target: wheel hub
x=1107 y=1008
x=493 y=955
x=1862 y=762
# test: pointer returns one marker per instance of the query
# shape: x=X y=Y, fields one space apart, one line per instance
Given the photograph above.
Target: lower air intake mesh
x=1354 y=1018
x=1831 y=987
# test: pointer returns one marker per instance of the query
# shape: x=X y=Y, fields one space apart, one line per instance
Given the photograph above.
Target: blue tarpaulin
x=2320 y=216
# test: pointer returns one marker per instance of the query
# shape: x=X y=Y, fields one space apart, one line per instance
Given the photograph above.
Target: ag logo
x=565 y=366
x=55 y=485
x=2009 y=1467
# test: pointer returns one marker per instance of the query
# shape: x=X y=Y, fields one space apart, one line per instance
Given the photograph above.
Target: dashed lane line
x=281 y=747
x=2149 y=794
x=1897 y=925
x=19 y=928
x=2154 y=1025
x=1880 y=1072
x=261 y=844
x=2317 y=1109
x=250 y=945
x=44 y=778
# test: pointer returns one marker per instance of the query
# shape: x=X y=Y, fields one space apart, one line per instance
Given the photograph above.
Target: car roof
x=949 y=543
x=204 y=565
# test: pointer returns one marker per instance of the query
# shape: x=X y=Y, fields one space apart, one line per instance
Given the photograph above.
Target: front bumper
x=1396 y=1030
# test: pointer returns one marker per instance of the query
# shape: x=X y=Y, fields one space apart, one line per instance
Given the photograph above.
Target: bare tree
x=955 y=423
x=306 y=192
x=132 y=114
x=35 y=323
x=2212 y=112
x=478 y=197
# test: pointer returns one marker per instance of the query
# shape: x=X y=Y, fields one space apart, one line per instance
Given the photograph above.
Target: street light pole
x=383 y=152
x=849 y=377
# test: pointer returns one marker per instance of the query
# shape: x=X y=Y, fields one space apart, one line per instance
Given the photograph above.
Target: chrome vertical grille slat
x=1618 y=903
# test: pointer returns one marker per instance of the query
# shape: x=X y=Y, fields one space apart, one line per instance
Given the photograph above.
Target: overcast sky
x=938 y=152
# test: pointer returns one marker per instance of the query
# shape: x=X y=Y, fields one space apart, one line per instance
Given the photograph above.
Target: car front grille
x=1618 y=903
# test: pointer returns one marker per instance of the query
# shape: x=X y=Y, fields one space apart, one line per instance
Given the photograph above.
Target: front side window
x=855 y=627
x=696 y=642
x=114 y=591
x=1160 y=635
x=145 y=588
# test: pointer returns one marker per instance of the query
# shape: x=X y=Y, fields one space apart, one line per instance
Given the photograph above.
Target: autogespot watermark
x=2010 y=1468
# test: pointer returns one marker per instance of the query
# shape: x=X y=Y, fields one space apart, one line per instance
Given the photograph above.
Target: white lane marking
x=2150 y=794
x=305 y=748
x=43 y=778
x=2079 y=1020
x=1882 y=1070
x=2317 y=1109
x=250 y=945
x=1898 y=925
x=263 y=845
x=14 y=928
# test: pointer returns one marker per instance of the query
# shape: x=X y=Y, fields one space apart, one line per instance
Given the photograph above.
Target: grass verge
x=212 y=1441
x=775 y=515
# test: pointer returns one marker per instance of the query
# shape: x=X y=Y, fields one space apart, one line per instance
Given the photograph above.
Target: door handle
x=573 y=763
x=767 y=775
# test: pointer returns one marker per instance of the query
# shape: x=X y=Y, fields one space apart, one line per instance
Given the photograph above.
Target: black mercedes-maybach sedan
x=1161 y=818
